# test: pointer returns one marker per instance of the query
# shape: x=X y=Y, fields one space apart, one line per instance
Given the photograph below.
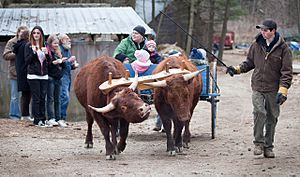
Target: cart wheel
x=213 y=100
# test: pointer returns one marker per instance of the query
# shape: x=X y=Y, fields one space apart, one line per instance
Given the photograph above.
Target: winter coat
x=272 y=65
x=10 y=56
x=55 y=71
x=21 y=66
x=68 y=66
x=154 y=57
x=126 y=48
x=34 y=65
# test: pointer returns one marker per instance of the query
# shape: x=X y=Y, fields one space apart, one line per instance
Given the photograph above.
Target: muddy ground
x=26 y=150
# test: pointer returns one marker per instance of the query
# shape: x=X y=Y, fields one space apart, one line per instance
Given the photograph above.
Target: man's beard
x=67 y=45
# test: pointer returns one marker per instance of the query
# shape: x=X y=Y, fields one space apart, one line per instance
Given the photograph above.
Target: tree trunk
x=144 y=10
x=153 y=9
x=224 y=30
x=211 y=25
x=191 y=26
x=298 y=14
x=160 y=20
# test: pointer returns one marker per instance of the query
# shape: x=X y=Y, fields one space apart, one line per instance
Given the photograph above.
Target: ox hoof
x=179 y=150
x=116 y=151
x=186 y=145
x=88 y=145
x=110 y=157
x=172 y=153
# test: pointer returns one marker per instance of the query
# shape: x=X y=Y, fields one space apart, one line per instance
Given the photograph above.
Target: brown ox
x=175 y=99
x=121 y=105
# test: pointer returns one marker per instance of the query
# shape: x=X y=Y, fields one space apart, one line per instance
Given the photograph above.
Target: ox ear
x=189 y=76
x=135 y=82
x=162 y=83
x=104 y=109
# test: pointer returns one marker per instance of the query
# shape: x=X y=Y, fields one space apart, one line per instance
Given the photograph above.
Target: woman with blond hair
x=37 y=58
x=55 y=73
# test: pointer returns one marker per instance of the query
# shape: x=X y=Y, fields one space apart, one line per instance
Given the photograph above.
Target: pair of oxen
x=175 y=99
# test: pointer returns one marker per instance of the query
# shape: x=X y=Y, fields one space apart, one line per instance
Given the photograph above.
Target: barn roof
x=91 y=20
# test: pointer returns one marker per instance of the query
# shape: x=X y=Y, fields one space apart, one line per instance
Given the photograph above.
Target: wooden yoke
x=106 y=86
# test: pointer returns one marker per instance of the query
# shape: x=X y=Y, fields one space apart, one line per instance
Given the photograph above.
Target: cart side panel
x=205 y=81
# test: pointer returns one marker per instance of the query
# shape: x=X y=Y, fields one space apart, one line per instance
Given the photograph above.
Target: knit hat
x=142 y=57
x=267 y=24
x=143 y=62
x=150 y=43
x=141 y=30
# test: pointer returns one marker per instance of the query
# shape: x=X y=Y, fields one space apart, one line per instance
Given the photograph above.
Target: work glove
x=281 y=96
x=231 y=70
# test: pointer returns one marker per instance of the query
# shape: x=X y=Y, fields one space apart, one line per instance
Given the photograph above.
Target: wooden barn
x=94 y=31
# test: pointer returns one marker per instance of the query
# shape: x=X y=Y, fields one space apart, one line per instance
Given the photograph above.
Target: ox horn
x=135 y=82
x=104 y=109
x=162 y=83
x=189 y=76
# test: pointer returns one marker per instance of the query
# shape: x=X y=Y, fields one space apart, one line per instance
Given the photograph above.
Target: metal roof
x=91 y=20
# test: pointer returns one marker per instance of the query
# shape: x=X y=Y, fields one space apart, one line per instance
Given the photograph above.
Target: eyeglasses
x=36 y=33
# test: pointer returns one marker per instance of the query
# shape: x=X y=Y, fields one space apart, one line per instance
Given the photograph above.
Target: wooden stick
x=109 y=78
x=127 y=74
x=167 y=67
x=182 y=65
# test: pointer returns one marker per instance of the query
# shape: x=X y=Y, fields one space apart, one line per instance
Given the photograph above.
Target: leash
x=195 y=39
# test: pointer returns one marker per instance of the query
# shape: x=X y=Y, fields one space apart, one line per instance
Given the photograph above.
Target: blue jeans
x=53 y=95
x=158 y=122
x=64 y=95
x=14 y=111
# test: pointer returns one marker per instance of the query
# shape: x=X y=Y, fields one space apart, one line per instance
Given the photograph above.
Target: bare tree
x=160 y=20
x=153 y=9
x=224 y=29
x=211 y=24
x=191 y=26
x=298 y=14
x=144 y=10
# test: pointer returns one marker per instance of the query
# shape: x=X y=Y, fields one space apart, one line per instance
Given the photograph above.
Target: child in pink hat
x=151 y=49
x=142 y=63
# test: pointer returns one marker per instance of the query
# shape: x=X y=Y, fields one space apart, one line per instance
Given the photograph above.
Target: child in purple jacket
x=155 y=58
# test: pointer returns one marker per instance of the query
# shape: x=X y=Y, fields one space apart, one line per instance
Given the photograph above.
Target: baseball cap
x=267 y=24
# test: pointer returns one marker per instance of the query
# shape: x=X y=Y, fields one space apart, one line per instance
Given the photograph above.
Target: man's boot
x=268 y=153
x=258 y=149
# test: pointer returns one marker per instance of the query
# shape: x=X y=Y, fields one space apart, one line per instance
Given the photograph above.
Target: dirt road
x=26 y=150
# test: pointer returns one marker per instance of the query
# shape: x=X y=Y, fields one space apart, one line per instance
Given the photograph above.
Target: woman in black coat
x=21 y=69
x=37 y=58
